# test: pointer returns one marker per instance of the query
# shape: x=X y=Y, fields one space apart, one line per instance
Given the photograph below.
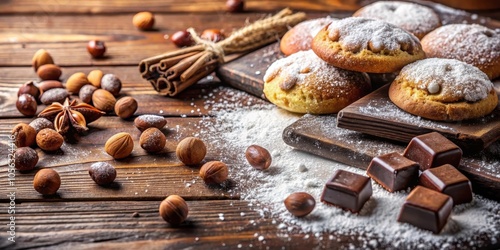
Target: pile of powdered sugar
x=472 y=225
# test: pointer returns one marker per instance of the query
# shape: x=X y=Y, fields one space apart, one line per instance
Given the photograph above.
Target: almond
x=49 y=72
x=76 y=81
x=119 y=145
x=144 y=20
x=95 y=77
x=41 y=57
x=103 y=100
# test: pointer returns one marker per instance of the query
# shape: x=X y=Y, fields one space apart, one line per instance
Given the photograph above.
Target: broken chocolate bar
x=432 y=150
x=393 y=171
x=347 y=190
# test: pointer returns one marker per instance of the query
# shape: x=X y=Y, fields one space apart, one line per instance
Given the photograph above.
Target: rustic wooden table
x=84 y=215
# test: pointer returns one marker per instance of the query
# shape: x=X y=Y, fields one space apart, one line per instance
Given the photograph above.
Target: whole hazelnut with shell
x=29 y=88
x=125 y=107
x=49 y=140
x=102 y=173
x=25 y=159
x=214 y=172
x=300 y=204
x=26 y=104
x=191 y=150
x=144 y=122
x=47 y=181
x=119 y=145
x=174 y=210
x=144 y=20
x=258 y=157
x=152 y=140
x=24 y=135
x=96 y=48
x=103 y=100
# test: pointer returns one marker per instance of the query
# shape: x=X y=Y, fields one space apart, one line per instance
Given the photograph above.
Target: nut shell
x=102 y=173
x=191 y=150
x=49 y=140
x=174 y=210
x=103 y=100
x=41 y=57
x=300 y=204
x=119 y=145
x=76 y=81
x=214 y=172
x=49 y=72
x=126 y=107
x=95 y=77
x=144 y=20
x=24 y=135
x=26 y=104
x=152 y=140
x=111 y=83
x=144 y=122
x=258 y=157
x=25 y=159
x=47 y=181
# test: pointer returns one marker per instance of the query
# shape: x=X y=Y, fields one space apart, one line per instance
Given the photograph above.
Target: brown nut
x=191 y=150
x=152 y=140
x=102 y=173
x=126 y=107
x=86 y=92
x=26 y=104
x=111 y=83
x=41 y=57
x=213 y=35
x=25 y=159
x=182 y=38
x=76 y=81
x=49 y=72
x=49 y=140
x=235 y=5
x=119 y=145
x=144 y=20
x=49 y=84
x=95 y=77
x=174 y=210
x=300 y=204
x=24 y=135
x=96 y=48
x=103 y=100
x=41 y=123
x=54 y=95
x=214 y=172
x=29 y=88
x=258 y=157
x=47 y=181
x=144 y=122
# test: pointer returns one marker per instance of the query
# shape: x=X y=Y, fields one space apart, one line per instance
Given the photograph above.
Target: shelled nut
x=214 y=172
x=25 y=158
x=95 y=77
x=191 y=150
x=49 y=140
x=76 y=81
x=54 y=95
x=111 y=83
x=102 y=173
x=174 y=210
x=86 y=92
x=119 y=145
x=41 y=57
x=29 y=88
x=24 y=135
x=152 y=140
x=26 y=104
x=49 y=72
x=144 y=122
x=126 y=107
x=41 y=123
x=103 y=100
x=47 y=181
x=144 y=20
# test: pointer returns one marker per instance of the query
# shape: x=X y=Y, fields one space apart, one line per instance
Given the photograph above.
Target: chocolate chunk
x=433 y=150
x=393 y=171
x=448 y=180
x=426 y=209
x=347 y=190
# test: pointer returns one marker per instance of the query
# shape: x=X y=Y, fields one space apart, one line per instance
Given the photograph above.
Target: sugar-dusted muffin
x=301 y=35
x=414 y=18
x=443 y=90
x=471 y=43
x=367 y=45
x=303 y=83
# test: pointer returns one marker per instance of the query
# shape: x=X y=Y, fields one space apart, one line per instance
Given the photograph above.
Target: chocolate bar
x=393 y=171
x=347 y=190
x=432 y=150
x=448 y=180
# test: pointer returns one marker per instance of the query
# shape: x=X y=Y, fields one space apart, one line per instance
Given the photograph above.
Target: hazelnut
x=191 y=150
x=54 y=95
x=26 y=104
x=182 y=38
x=24 y=135
x=126 y=107
x=300 y=204
x=49 y=72
x=102 y=173
x=49 y=140
x=76 y=81
x=152 y=140
x=214 y=172
x=41 y=57
x=25 y=158
x=258 y=157
x=144 y=20
x=235 y=5
x=119 y=145
x=41 y=123
x=103 y=100
x=174 y=209
x=144 y=122
x=213 y=35
x=29 y=88
x=95 y=77
x=111 y=83
x=49 y=84
x=86 y=92
x=96 y=48
x=47 y=181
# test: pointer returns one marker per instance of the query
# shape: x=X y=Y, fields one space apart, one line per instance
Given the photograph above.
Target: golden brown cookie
x=367 y=45
x=303 y=83
x=301 y=35
x=470 y=43
x=443 y=90
x=414 y=18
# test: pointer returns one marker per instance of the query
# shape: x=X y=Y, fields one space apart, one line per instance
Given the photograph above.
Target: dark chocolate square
x=393 y=171
x=448 y=180
x=347 y=190
x=433 y=150
x=426 y=209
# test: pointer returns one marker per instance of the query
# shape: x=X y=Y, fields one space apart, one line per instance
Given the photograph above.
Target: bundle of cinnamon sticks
x=174 y=71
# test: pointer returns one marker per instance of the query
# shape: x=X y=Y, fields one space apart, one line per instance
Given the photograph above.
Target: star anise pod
x=71 y=116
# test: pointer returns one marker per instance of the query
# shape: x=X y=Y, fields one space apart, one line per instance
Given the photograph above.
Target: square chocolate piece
x=393 y=171
x=426 y=209
x=433 y=150
x=347 y=190
x=448 y=180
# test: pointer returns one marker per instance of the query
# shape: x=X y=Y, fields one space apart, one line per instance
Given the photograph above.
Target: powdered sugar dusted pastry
x=303 y=83
x=414 y=18
x=367 y=45
x=471 y=43
x=443 y=90
x=301 y=35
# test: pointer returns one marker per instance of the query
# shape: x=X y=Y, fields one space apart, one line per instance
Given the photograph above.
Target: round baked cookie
x=367 y=45
x=414 y=18
x=301 y=35
x=303 y=83
x=471 y=43
x=443 y=90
